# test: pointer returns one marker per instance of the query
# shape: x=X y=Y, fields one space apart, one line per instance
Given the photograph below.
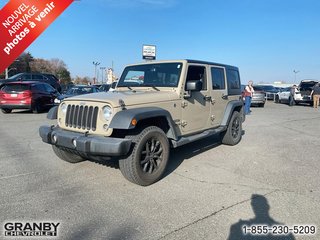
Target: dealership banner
x=22 y=21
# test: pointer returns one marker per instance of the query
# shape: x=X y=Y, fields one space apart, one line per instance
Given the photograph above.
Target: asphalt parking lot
x=209 y=191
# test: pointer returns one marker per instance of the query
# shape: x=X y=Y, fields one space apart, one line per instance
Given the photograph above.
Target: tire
x=233 y=134
x=36 y=108
x=67 y=156
x=276 y=99
x=148 y=157
x=6 y=110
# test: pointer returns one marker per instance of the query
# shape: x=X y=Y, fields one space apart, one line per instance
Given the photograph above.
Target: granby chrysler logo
x=31 y=229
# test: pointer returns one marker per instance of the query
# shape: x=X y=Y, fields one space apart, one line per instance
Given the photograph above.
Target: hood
x=129 y=97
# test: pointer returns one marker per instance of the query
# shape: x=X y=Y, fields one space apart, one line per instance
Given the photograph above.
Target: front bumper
x=88 y=144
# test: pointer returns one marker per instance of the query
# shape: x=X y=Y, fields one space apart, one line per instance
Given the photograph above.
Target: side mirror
x=194 y=85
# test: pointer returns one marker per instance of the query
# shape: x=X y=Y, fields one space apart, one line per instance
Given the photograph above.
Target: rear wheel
x=36 y=108
x=148 y=157
x=233 y=134
x=6 y=110
x=67 y=156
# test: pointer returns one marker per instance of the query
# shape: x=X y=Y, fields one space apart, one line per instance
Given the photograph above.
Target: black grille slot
x=82 y=117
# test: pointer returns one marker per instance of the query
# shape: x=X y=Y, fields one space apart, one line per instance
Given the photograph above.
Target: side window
x=40 y=88
x=37 y=77
x=35 y=88
x=48 y=88
x=218 y=78
x=234 y=84
x=197 y=73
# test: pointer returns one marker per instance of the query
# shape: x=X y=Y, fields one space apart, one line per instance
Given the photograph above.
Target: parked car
x=104 y=87
x=258 y=97
x=303 y=92
x=66 y=87
x=76 y=90
x=36 y=96
x=41 y=77
x=138 y=124
x=270 y=91
x=284 y=96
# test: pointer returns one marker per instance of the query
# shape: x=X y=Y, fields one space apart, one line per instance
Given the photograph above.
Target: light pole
x=95 y=71
x=8 y=70
x=295 y=75
x=102 y=70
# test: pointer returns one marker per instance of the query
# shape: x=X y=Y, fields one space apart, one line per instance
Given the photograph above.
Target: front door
x=196 y=107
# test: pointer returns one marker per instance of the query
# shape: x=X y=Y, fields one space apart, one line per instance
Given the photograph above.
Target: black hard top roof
x=210 y=63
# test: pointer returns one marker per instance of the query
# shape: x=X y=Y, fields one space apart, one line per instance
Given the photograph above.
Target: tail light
x=26 y=94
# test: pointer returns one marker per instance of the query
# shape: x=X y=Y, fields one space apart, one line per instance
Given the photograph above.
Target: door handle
x=207 y=98
x=224 y=96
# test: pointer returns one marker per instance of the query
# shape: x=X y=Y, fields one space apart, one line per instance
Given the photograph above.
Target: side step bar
x=192 y=138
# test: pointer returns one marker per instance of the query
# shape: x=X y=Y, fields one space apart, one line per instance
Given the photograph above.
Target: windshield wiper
x=151 y=85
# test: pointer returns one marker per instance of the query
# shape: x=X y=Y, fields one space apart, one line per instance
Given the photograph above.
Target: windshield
x=155 y=75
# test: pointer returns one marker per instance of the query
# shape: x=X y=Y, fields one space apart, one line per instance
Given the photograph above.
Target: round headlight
x=107 y=112
x=63 y=108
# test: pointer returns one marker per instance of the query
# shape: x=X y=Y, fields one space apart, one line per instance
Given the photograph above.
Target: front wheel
x=67 y=156
x=233 y=134
x=148 y=158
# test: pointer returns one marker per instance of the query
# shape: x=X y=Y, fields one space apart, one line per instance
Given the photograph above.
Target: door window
x=218 y=78
x=197 y=73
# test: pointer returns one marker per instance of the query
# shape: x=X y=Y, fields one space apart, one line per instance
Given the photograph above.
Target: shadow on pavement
x=178 y=155
x=243 y=228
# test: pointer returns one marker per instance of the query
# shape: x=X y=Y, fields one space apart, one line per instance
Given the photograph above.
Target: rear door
x=219 y=94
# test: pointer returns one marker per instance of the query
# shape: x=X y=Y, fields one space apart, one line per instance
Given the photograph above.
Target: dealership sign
x=22 y=21
x=31 y=229
x=149 y=52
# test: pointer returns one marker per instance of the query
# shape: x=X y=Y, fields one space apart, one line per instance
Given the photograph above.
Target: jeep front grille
x=84 y=117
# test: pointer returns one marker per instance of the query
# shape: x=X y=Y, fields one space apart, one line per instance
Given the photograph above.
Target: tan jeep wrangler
x=156 y=106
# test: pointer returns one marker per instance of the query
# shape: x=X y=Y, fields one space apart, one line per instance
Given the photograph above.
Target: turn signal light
x=134 y=122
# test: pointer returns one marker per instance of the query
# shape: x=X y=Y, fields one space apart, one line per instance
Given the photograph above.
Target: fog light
x=74 y=142
x=105 y=127
x=54 y=139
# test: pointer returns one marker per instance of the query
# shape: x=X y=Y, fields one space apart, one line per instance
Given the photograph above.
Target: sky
x=266 y=39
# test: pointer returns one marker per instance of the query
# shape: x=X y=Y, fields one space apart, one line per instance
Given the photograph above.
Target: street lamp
x=295 y=75
x=102 y=70
x=95 y=71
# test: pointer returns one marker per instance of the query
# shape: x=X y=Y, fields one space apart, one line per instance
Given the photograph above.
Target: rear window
x=15 y=88
x=234 y=85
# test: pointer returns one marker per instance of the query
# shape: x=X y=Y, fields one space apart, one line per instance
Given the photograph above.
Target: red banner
x=22 y=21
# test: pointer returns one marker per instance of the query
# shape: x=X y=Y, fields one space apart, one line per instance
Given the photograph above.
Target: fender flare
x=229 y=110
x=122 y=119
x=53 y=113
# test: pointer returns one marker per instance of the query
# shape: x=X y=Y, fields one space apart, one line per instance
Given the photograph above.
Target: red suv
x=35 y=96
